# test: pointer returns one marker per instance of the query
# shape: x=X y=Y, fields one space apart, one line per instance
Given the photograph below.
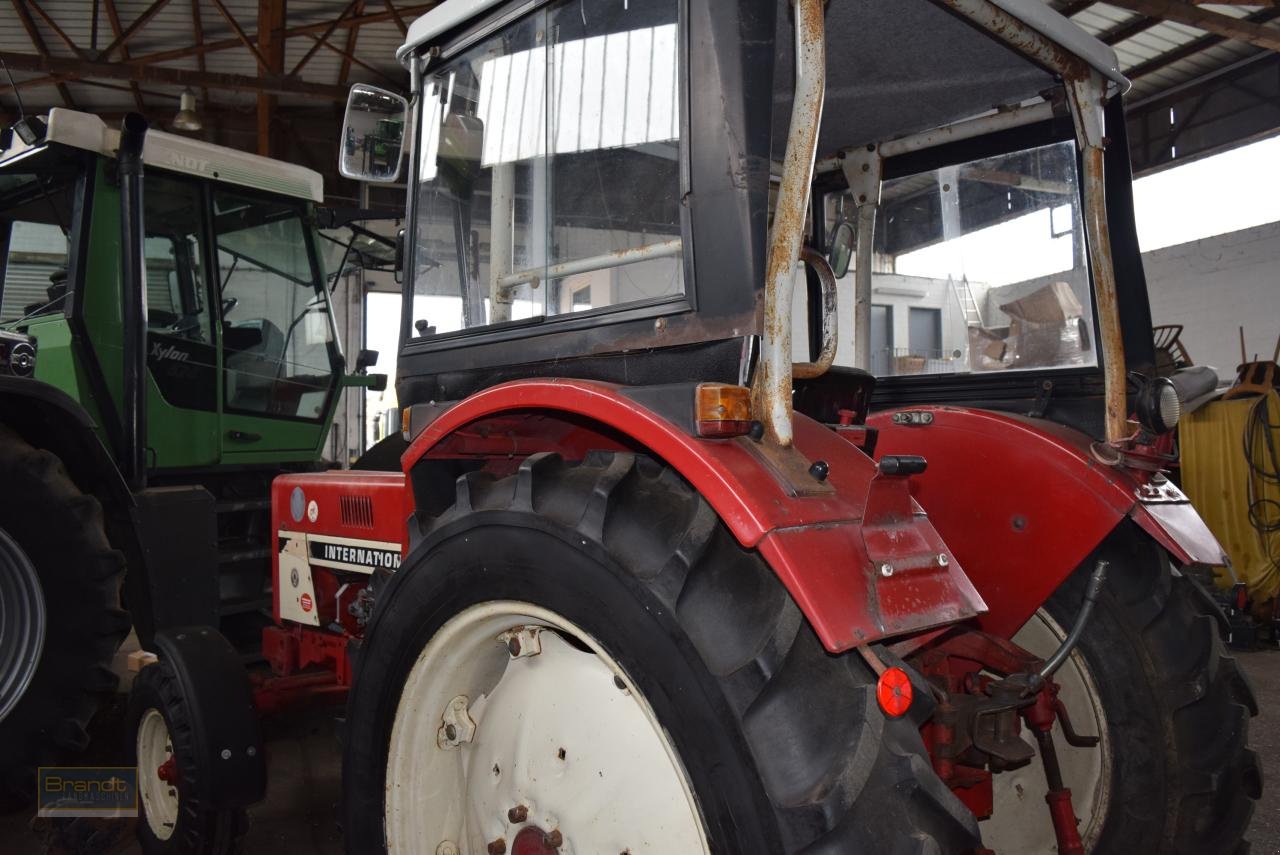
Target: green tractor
x=167 y=346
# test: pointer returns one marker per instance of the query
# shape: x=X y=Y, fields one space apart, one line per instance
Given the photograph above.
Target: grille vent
x=356 y=511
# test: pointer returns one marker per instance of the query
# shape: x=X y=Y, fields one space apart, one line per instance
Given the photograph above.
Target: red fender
x=830 y=561
x=1023 y=501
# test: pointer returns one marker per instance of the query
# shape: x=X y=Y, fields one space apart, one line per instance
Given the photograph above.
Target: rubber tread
x=840 y=777
x=1178 y=707
x=199 y=830
x=61 y=530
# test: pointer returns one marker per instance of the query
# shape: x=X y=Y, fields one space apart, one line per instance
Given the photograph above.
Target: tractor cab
x=570 y=209
x=242 y=357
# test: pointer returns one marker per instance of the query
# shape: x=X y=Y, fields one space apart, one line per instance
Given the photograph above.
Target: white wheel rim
x=159 y=798
x=1020 y=822
x=554 y=733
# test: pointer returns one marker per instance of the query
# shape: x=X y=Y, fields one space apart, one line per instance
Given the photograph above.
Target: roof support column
x=271 y=17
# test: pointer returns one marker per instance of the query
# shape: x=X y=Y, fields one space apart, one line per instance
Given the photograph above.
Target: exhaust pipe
x=133 y=279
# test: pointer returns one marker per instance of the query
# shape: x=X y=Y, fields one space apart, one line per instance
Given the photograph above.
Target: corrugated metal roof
x=1142 y=49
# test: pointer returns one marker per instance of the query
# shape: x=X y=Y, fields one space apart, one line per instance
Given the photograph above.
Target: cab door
x=182 y=354
x=280 y=356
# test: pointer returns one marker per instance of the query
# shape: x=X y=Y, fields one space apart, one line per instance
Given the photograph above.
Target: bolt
x=886 y=569
x=513 y=646
x=518 y=814
x=450 y=732
x=866 y=167
x=434 y=51
x=251 y=751
x=498 y=847
x=756 y=431
x=819 y=470
x=554 y=839
x=942 y=559
x=226 y=754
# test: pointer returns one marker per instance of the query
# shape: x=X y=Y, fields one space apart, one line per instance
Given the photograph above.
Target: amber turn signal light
x=720 y=410
x=405 y=423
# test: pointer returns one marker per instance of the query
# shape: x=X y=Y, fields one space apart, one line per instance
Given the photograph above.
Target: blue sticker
x=297 y=504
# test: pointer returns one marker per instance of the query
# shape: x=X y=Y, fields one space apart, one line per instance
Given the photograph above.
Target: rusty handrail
x=771 y=392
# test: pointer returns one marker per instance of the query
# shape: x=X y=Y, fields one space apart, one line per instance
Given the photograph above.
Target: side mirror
x=842 y=244
x=366 y=359
x=373 y=135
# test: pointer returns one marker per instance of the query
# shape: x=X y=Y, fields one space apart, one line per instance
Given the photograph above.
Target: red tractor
x=654 y=572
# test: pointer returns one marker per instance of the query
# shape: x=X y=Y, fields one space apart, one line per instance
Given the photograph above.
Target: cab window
x=35 y=234
x=279 y=349
x=548 y=177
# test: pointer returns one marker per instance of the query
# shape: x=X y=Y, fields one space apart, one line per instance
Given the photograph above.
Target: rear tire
x=783 y=745
x=1177 y=707
x=60 y=531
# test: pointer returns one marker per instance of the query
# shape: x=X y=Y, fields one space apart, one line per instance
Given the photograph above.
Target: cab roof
x=1035 y=14
x=178 y=154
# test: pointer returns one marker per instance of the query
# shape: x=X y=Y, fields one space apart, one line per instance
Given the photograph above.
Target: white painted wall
x=1212 y=286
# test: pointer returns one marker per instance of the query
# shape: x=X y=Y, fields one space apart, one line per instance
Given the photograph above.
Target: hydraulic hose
x=1054 y=662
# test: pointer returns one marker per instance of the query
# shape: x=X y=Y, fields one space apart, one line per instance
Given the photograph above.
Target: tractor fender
x=1023 y=501
x=48 y=417
x=858 y=556
x=231 y=766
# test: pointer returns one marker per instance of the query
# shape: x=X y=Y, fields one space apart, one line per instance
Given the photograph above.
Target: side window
x=277 y=335
x=177 y=290
x=35 y=217
x=548 y=178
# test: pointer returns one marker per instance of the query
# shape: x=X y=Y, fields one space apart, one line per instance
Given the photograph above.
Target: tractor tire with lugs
x=783 y=744
x=60 y=530
x=1177 y=706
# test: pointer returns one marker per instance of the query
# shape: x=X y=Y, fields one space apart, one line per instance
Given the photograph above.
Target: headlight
x=1158 y=405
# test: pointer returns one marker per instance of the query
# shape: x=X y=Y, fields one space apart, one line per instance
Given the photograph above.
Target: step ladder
x=968 y=304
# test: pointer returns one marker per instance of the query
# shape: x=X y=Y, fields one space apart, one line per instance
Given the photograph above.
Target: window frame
x=423 y=64
x=306 y=218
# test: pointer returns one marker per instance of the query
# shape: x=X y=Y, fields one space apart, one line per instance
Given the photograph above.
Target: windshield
x=978 y=267
x=548 y=172
x=35 y=229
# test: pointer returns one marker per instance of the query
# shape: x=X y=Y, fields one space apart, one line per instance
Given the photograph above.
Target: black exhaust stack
x=133 y=279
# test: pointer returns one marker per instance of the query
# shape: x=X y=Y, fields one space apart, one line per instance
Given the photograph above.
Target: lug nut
x=519 y=813
x=554 y=839
x=498 y=847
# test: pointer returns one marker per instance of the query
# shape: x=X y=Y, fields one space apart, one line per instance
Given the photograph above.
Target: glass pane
x=548 y=171
x=984 y=263
x=177 y=302
x=36 y=219
x=276 y=331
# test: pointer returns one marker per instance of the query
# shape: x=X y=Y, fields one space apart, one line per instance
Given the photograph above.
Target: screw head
x=226 y=754
x=886 y=569
x=943 y=561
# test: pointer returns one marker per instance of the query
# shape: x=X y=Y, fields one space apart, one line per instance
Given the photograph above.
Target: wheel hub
x=513 y=725
x=534 y=841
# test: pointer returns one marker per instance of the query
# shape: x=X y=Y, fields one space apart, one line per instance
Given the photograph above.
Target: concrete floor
x=300 y=813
